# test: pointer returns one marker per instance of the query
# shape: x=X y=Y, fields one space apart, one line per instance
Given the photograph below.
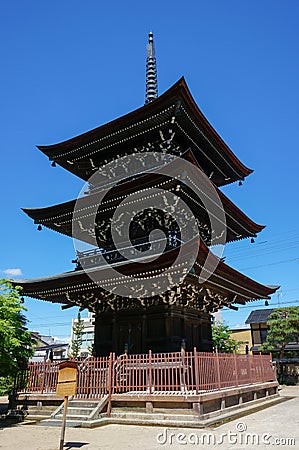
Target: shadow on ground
x=5 y=423
x=3 y=408
x=70 y=445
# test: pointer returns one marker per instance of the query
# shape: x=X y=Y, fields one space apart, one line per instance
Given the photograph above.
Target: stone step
x=150 y=421
x=76 y=410
x=83 y=404
x=122 y=409
x=154 y=416
x=57 y=423
x=156 y=410
x=36 y=418
x=41 y=408
x=78 y=417
x=169 y=411
x=37 y=413
x=40 y=411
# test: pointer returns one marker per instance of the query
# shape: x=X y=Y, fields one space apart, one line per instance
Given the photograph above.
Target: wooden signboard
x=66 y=386
x=67 y=378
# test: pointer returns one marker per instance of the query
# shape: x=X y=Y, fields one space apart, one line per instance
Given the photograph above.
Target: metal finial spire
x=151 y=71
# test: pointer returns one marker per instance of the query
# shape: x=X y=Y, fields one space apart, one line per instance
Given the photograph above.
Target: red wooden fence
x=190 y=372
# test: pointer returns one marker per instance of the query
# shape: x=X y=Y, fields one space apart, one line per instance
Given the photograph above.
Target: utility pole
x=279 y=297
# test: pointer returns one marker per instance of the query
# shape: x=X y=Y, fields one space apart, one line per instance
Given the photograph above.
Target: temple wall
x=158 y=328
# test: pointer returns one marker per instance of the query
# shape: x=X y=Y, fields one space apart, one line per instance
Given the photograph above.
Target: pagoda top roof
x=175 y=109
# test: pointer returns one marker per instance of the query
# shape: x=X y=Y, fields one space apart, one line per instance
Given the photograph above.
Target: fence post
x=195 y=359
x=89 y=381
x=249 y=368
x=273 y=368
x=218 y=369
x=44 y=375
x=183 y=361
x=110 y=382
x=262 y=367
x=236 y=369
x=150 y=381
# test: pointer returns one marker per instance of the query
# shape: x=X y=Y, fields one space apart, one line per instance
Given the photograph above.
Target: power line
x=56 y=324
x=263 y=306
x=262 y=252
x=287 y=237
x=270 y=264
x=275 y=243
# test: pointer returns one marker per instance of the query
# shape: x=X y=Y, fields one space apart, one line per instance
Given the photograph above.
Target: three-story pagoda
x=171 y=124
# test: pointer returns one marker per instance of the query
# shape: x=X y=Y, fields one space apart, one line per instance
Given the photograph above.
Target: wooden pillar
x=114 y=333
x=218 y=370
x=65 y=405
x=143 y=334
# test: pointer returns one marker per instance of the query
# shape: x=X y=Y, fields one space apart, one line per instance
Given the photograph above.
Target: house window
x=87 y=339
x=256 y=337
x=263 y=334
x=259 y=333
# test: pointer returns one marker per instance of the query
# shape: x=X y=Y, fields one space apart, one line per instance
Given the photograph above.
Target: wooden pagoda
x=174 y=124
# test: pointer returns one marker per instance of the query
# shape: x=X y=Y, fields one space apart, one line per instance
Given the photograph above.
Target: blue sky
x=67 y=67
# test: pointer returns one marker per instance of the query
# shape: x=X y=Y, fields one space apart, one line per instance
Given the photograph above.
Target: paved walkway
x=259 y=430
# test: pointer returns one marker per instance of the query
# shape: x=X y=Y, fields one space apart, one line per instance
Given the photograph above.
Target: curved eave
x=179 y=91
x=110 y=127
x=240 y=215
x=202 y=120
x=262 y=291
x=224 y=278
x=226 y=274
x=59 y=217
x=255 y=228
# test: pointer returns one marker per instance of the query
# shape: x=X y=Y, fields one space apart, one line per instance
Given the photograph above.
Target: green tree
x=16 y=342
x=76 y=343
x=222 y=340
x=283 y=327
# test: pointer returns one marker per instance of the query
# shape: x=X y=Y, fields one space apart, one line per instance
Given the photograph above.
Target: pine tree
x=76 y=343
x=283 y=327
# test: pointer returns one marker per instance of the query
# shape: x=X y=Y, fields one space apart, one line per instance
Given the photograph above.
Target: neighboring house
x=258 y=324
x=243 y=336
x=87 y=334
x=290 y=361
x=47 y=348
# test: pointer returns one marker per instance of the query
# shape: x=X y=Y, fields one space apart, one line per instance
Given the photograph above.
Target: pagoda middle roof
x=175 y=109
x=59 y=217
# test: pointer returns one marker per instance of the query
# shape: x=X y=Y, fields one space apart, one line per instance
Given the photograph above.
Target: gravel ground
x=259 y=430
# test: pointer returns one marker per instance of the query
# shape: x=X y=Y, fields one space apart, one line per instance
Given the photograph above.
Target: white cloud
x=13 y=272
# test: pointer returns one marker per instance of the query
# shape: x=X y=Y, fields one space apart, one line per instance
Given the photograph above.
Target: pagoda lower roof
x=60 y=217
x=78 y=287
x=175 y=110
